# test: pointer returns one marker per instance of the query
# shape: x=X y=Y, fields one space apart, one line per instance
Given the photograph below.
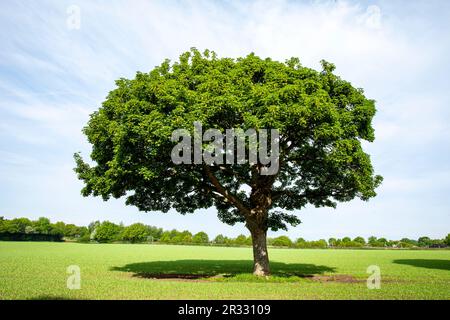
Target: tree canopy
x=321 y=119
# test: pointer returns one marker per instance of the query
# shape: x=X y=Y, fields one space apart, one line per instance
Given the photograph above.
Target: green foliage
x=447 y=240
x=346 y=239
x=60 y=228
x=360 y=240
x=322 y=120
x=17 y=225
x=240 y=240
x=69 y=231
x=154 y=232
x=322 y=243
x=106 y=232
x=93 y=225
x=332 y=242
x=409 y=242
x=377 y=243
x=182 y=237
x=84 y=238
x=200 y=237
x=302 y=243
x=73 y=231
x=31 y=230
x=402 y=244
x=177 y=237
x=282 y=241
x=30 y=237
x=165 y=237
x=43 y=225
x=135 y=233
x=424 y=242
x=352 y=244
x=372 y=240
x=219 y=239
x=437 y=243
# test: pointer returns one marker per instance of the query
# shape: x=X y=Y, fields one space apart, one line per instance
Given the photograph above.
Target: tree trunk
x=260 y=254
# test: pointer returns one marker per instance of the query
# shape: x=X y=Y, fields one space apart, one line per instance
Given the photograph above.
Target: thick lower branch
x=227 y=195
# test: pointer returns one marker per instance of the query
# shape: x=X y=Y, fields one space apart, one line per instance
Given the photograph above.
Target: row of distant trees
x=41 y=229
x=108 y=232
x=360 y=242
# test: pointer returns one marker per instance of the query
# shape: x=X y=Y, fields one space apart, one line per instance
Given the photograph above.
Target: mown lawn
x=124 y=271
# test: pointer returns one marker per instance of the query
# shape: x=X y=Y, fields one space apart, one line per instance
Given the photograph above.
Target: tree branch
x=224 y=192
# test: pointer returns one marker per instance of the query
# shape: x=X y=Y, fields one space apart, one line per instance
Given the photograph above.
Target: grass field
x=121 y=271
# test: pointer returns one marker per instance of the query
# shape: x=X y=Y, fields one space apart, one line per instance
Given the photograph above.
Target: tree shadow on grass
x=196 y=269
x=426 y=263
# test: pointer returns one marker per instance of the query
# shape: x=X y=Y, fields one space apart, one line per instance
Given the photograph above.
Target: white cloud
x=372 y=17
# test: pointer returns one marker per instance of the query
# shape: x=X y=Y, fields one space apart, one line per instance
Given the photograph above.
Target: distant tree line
x=23 y=229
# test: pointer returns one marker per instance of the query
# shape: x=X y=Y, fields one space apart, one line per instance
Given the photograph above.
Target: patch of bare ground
x=341 y=278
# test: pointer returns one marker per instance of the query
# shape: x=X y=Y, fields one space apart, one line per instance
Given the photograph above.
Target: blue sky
x=52 y=77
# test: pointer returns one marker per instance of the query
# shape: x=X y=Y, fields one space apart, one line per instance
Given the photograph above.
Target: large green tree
x=107 y=232
x=200 y=237
x=136 y=232
x=321 y=120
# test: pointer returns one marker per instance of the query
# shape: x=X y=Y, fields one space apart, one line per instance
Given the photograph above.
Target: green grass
x=122 y=271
